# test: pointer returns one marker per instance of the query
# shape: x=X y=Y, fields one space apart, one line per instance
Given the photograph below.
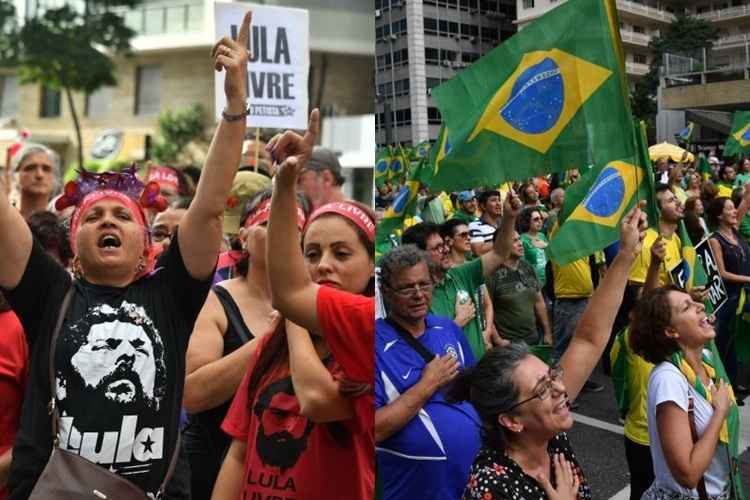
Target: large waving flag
x=398 y=164
x=690 y=267
x=738 y=142
x=552 y=97
x=595 y=205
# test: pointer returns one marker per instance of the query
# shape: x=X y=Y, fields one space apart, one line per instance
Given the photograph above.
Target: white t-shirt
x=667 y=383
x=480 y=231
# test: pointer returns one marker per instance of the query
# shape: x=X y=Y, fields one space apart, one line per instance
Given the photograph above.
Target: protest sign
x=278 y=66
x=717 y=292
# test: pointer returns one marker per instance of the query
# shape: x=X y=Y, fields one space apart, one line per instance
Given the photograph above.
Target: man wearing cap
x=37 y=168
x=321 y=180
x=467 y=207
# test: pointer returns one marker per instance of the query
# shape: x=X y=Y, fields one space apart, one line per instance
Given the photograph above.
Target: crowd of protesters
x=483 y=343
x=176 y=333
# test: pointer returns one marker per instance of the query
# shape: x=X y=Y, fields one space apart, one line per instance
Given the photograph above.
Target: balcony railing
x=633 y=68
x=732 y=40
x=178 y=17
x=728 y=13
x=635 y=38
x=645 y=10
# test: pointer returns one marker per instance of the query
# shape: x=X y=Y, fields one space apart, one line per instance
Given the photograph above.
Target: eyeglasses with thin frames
x=412 y=291
x=543 y=389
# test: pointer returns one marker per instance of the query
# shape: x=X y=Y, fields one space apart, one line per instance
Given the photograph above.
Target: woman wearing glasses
x=523 y=403
x=534 y=241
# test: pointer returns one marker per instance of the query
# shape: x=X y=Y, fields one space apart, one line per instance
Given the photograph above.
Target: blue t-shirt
x=431 y=456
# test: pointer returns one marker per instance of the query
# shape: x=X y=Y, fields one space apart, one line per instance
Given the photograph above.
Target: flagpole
x=257 y=148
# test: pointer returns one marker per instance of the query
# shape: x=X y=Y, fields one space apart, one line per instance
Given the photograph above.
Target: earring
x=141 y=266
x=76 y=268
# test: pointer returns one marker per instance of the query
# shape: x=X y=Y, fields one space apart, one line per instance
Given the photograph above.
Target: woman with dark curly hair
x=524 y=404
x=691 y=458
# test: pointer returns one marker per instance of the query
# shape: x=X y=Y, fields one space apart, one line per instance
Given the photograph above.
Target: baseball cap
x=325 y=159
x=245 y=186
x=464 y=196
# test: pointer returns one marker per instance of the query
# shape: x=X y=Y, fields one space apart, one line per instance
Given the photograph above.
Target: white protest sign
x=278 y=67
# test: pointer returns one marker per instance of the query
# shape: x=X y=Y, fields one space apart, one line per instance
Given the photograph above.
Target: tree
x=177 y=131
x=686 y=34
x=66 y=48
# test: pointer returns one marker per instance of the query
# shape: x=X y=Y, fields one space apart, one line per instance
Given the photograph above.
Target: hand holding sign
x=231 y=56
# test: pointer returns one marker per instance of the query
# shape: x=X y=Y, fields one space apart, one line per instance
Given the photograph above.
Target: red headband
x=351 y=212
x=261 y=213
x=165 y=176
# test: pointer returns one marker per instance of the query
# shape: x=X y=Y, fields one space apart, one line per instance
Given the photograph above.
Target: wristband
x=234 y=118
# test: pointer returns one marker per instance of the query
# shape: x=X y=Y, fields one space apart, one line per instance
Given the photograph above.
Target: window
x=403 y=117
x=489 y=34
x=431 y=56
x=640 y=58
x=97 y=104
x=147 y=89
x=50 y=107
x=638 y=29
x=8 y=96
x=433 y=116
x=528 y=4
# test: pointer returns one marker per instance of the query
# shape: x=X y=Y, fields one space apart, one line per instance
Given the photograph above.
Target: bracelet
x=234 y=118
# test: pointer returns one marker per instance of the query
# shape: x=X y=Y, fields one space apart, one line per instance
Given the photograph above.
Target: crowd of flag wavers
x=483 y=342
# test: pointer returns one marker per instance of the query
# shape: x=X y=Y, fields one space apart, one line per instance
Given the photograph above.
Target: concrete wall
x=712 y=94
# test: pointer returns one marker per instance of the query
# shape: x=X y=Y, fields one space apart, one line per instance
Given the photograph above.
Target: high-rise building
x=418 y=45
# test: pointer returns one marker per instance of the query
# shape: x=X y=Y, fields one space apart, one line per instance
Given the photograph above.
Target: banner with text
x=717 y=292
x=278 y=67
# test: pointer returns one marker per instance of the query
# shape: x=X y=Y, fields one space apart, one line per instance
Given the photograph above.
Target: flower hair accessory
x=125 y=182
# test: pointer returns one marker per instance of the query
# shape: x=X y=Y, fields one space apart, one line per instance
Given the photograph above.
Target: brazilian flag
x=403 y=207
x=398 y=164
x=439 y=151
x=423 y=149
x=686 y=135
x=738 y=142
x=595 y=205
x=552 y=96
x=690 y=269
x=382 y=166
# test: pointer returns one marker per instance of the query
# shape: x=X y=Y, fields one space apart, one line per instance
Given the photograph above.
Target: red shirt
x=291 y=457
x=348 y=323
x=14 y=356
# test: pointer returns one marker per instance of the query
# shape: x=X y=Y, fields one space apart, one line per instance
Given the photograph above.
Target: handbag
x=68 y=476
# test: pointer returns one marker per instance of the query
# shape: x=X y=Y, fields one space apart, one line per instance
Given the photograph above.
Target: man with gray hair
x=321 y=179
x=421 y=439
x=37 y=171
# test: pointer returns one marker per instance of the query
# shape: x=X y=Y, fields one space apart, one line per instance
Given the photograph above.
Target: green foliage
x=177 y=130
x=686 y=34
x=66 y=48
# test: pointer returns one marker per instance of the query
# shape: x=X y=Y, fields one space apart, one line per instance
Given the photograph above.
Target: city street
x=597 y=439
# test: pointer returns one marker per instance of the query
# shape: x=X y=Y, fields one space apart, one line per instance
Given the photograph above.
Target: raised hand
x=231 y=56
x=658 y=250
x=512 y=205
x=291 y=145
x=633 y=230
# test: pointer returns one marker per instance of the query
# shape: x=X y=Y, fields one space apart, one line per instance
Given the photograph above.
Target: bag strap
x=52 y=349
x=427 y=356
x=701 y=486
x=233 y=313
x=54 y=412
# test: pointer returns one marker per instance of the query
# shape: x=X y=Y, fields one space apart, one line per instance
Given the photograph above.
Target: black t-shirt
x=119 y=368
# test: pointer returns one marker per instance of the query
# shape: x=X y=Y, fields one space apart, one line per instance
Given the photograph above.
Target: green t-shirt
x=741 y=179
x=467 y=278
x=745 y=227
x=514 y=293
x=535 y=256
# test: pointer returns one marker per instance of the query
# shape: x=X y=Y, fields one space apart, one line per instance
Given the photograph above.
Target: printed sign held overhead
x=278 y=66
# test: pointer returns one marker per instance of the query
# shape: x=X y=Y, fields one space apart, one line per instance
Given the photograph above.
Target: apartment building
x=418 y=45
x=170 y=70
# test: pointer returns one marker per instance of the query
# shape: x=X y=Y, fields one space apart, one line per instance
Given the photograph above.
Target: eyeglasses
x=536 y=219
x=544 y=388
x=412 y=291
x=438 y=248
x=463 y=234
